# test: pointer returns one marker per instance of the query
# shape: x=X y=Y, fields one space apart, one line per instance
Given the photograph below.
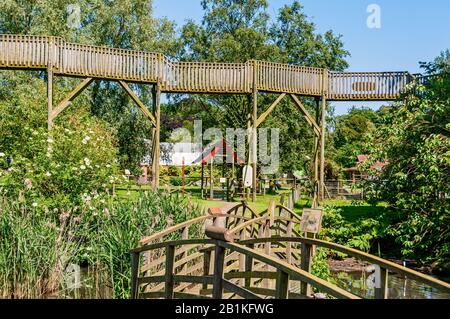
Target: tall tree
x=240 y=30
x=415 y=140
x=124 y=24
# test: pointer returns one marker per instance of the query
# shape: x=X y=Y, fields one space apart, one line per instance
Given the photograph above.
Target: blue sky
x=411 y=30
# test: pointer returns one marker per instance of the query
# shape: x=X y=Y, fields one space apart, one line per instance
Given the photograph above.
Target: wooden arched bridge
x=245 y=255
x=60 y=58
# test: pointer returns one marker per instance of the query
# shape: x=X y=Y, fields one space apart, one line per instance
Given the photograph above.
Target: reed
x=36 y=247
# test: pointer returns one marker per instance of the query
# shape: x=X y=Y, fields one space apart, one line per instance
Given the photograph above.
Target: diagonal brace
x=308 y=116
x=269 y=110
x=141 y=105
x=70 y=97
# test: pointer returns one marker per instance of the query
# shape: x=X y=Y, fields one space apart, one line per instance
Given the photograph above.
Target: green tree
x=415 y=139
x=238 y=31
x=124 y=24
x=352 y=133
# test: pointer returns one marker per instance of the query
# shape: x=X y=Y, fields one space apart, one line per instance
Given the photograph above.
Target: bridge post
x=156 y=136
x=381 y=288
x=316 y=160
x=249 y=267
x=305 y=265
x=323 y=133
x=134 y=274
x=50 y=85
x=254 y=142
x=219 y=259
x=282 y=285
x=170 y=256
x=206 y=265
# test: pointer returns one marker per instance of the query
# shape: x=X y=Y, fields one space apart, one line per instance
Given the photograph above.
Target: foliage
x=75 y=162
x=125 y=24
x=415 y=140
x=238 y=31
x=362 y=234
x=352 y=131
x=37 y=247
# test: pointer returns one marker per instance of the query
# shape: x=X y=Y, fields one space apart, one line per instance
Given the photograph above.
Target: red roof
x=219 y=148
x=362 y=158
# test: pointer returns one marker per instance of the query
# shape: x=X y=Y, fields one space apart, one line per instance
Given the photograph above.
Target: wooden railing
x=367 y=85
x=71 y=59
x=247 y=255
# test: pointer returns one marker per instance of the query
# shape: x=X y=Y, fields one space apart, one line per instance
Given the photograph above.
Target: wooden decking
x=71 y=59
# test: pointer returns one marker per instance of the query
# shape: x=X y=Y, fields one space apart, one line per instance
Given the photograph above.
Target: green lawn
x=351 y=210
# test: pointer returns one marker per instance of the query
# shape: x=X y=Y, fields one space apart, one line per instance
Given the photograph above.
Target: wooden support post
x=50 y=86
x=282 y=285
x=249 y=267
x=211 y=180
x=254 y=143
x=184 y=236
x=242 y=258
x=169 y=283
x=288 y=244
x=203 y=174
x=316 y=161
x=134 y=274
x=381 y=292
x=206 y=265
x=156 y=151
x=322 y=148
x=219 y=259
x=267 y=251
x=306 y=255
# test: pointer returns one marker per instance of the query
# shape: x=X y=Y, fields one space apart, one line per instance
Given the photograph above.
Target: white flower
x=48 y=174
x=2 y=154
x=84 y=142
x=28 y=183
x=82 y=167
x=87 y=161
x=127 y=172
x=34 y=204
x=50 y=140
x=108 y=166
x=87 y=138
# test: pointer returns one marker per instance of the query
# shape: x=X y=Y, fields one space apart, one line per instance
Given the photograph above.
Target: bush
x=37 y=247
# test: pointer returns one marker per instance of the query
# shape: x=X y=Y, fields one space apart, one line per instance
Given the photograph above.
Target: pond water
x=399 y=287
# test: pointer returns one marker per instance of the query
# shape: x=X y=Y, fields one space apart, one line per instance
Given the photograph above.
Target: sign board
x=248 y=176
x=311 y=221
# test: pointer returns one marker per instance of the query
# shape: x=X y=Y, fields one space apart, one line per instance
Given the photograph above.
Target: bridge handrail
x=291 y=271
x=72 y=59
x=433 y=282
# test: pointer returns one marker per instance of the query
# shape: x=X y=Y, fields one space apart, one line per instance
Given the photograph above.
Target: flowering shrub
x=73 y=163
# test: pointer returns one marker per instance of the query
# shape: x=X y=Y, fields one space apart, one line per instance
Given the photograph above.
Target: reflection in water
x=398 y=287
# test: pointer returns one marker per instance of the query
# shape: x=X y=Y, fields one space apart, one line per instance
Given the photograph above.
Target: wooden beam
x=322 y=148
x=156 y=135
x=70 y=97
x=141 y=105
x=254 y=149
x=308 y=116
x=269 y=110
x=50 y=86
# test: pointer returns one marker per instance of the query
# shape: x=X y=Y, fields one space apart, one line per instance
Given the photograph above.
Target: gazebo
x=219 y=149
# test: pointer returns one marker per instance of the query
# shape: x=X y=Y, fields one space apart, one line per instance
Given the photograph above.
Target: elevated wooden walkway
x=247 y=255
x=58 y=57
x=71 y=59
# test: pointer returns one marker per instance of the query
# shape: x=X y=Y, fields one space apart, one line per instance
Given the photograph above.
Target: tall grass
x=36 y=246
